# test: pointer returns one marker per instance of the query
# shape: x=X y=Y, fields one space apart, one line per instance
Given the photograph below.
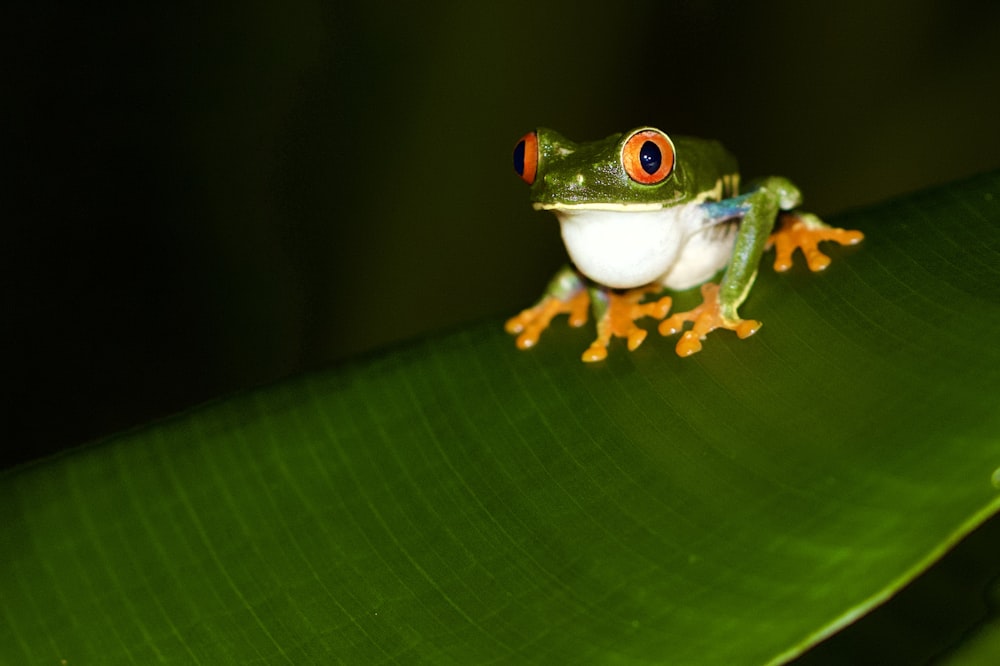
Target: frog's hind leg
x=757 y=210
x=804 y=231
x=616 y=314
x=705 y=318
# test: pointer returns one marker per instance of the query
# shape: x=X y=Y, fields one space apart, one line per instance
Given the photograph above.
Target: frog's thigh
x=754 y=231
x=780 y=189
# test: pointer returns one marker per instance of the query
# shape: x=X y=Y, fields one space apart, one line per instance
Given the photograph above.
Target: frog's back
x=704 y=164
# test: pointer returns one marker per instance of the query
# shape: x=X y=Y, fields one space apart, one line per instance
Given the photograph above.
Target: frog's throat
x=626 y=250
x=618 y=207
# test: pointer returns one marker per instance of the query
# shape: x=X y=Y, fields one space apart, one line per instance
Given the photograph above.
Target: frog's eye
x=526 y=157
x=648 y=156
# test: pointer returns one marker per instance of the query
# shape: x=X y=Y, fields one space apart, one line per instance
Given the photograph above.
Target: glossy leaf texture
x=456 y=501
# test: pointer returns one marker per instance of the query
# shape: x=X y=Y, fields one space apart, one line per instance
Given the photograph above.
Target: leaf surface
x=458 y=501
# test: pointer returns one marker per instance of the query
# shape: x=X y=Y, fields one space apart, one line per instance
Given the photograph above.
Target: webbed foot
x=804 y=231
x=621 y=310
x=706 y=318
x=529 y=324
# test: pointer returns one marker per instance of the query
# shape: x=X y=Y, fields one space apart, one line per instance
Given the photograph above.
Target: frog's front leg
x=566 y=293
x=758 y=210
x=616 y=313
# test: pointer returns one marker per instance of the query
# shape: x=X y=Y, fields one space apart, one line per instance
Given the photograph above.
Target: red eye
x=648 y=156
x=526 y=157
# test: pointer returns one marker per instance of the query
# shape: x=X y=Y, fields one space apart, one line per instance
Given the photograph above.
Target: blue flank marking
x=727 y=209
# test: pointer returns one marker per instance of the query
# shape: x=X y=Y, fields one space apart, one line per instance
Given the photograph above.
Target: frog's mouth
x=624 y=246
x=621 y=207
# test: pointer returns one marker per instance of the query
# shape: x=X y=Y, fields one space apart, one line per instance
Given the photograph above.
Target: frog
x=644 y=215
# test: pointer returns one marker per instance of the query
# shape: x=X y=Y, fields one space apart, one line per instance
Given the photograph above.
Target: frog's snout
x=569 y=182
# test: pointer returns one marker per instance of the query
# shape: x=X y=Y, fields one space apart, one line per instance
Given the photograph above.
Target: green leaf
x=459 y=501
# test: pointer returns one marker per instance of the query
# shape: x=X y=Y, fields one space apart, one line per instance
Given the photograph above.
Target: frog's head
x=637 y=170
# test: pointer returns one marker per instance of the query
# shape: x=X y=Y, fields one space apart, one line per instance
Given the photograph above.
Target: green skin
x=704 y=178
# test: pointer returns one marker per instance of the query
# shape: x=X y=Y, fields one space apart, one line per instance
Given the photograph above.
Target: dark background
x=202 y=199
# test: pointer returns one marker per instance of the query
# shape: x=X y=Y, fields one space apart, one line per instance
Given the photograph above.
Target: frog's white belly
x=626 y=249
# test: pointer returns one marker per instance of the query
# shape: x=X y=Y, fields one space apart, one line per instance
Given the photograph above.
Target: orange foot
x=706 y=318
x=806 y=231
x=623 y=309
x=528 y=325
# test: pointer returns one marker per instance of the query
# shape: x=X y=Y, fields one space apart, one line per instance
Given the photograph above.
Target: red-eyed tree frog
x=642 y=213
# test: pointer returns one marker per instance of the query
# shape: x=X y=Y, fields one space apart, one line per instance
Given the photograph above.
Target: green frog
x=642 y=213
